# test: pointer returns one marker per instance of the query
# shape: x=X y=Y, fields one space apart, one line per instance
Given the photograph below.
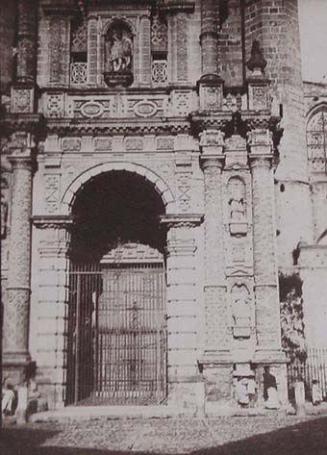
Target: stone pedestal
x=182 y=310
x=53 y=294
x=16 y=357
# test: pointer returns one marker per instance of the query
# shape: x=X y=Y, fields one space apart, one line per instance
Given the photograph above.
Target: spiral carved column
x=16 y=310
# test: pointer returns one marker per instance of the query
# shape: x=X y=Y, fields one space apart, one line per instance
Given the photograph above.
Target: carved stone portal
x=118 y=55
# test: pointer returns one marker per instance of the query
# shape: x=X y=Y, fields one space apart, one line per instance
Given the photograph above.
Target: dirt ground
x=264 y=435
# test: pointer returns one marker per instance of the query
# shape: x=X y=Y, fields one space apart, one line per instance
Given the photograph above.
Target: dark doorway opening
x=117 y=308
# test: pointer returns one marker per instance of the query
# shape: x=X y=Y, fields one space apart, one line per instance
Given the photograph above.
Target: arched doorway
x=117 y=308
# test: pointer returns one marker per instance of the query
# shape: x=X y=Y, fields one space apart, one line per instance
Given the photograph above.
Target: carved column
x=212 y=161
x=182 y=308
x=16 y=310
x=264 y=244
x=52 y=238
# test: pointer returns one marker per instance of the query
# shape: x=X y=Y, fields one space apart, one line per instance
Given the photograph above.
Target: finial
x=257 y=63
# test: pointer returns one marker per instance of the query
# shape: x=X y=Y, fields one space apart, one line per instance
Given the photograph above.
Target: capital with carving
x=212 y=148
x=260 y=161
x=260 y=141
x=21 y=146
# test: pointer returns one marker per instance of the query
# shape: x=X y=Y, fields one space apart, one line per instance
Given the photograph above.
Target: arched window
x=317 y=140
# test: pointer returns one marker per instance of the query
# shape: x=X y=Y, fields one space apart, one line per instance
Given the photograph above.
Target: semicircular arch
x=160 y=186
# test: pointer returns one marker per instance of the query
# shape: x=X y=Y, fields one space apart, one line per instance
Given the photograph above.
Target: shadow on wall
x=300 y=439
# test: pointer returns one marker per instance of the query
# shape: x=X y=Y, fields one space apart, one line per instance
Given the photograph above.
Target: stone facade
x=204 y=101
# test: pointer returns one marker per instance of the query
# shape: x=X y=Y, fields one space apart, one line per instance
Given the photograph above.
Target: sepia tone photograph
x=163 y=227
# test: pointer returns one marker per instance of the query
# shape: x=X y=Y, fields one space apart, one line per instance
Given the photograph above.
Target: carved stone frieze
x=116 y=127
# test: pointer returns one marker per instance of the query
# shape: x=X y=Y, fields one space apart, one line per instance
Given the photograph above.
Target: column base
x=17 y=367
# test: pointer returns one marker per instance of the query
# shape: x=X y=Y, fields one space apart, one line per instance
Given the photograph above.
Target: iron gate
x=117 y=334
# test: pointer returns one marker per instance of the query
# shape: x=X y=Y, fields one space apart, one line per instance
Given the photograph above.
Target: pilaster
x=53 y=234
x=264 y=244
x=182 y=308
x=216 y=320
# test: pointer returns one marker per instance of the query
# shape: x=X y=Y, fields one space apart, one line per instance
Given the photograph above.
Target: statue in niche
x=118 y=49
x=241 y=311
x=237 y=200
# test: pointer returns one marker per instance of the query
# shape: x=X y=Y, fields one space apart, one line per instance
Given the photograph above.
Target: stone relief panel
x=241 y=310
x=102 y=144
x=71 y=144
x=237 y=206
x=184 y=182
x=22 y=100
x=51 y=192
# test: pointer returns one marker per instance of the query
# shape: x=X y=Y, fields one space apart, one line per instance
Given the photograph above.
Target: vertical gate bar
x=77 y=337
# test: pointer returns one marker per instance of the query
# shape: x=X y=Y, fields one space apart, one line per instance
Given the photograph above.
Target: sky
x=313 y=33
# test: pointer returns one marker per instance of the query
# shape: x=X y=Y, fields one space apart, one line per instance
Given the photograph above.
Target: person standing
x=270 y=390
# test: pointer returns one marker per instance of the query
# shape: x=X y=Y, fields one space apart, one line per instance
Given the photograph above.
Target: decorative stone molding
x=180 y=221
x=52 y=221
x=116 y=127
x=177 y=6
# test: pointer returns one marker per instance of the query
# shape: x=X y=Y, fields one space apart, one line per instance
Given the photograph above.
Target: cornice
x=177 y=6
x=28 y=123
x=182 y=220
x=122 y=126
x=52 y=221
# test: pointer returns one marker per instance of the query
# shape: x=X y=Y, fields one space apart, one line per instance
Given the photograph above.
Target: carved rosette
x=16 y=311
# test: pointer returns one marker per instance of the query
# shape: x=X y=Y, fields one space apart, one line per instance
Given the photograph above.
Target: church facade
x=162 y=165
